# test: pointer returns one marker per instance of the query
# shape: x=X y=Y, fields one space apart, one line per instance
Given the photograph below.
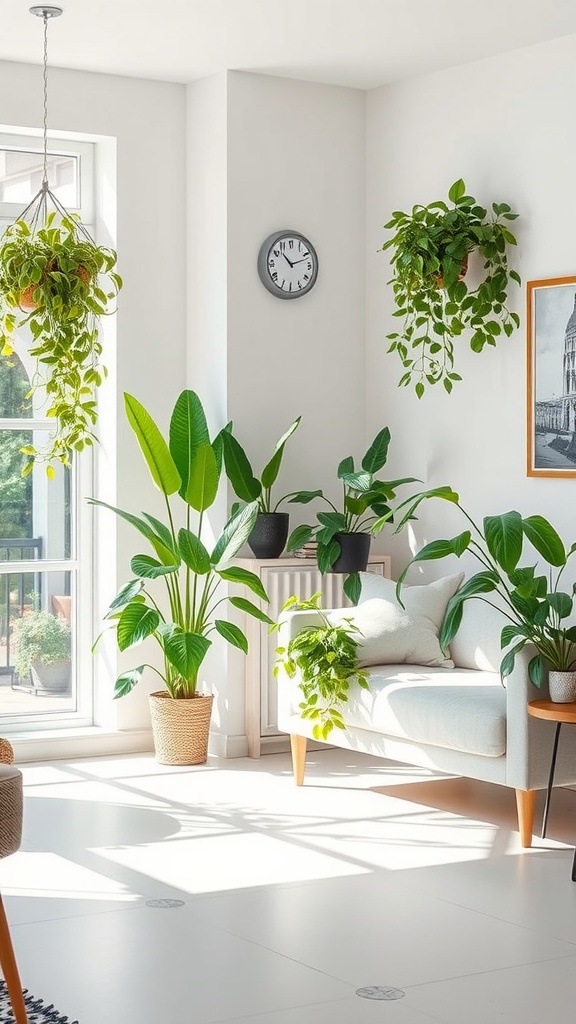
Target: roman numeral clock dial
x=287 y=264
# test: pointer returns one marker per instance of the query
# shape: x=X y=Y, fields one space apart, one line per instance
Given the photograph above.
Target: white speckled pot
x=562 y=687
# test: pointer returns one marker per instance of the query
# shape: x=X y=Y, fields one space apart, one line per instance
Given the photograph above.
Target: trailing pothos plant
x=57 y=282
x=175 y=594
x=325 y=659
x=430 y=250
x=364 y=508
x=530 y=597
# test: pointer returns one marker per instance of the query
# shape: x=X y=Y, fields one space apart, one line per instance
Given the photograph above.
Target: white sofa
x=459 y=720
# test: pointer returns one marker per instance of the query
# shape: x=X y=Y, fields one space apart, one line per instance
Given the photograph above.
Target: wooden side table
x=551 y=711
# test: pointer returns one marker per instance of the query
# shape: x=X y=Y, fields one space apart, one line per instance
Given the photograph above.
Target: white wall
x=506 y=126
x=292 y=156
x=147 y=122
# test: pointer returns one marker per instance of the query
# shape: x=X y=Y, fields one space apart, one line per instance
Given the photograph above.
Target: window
x=45 y=525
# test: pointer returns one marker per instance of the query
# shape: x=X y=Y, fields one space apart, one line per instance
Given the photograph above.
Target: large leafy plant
x=325 y=657
x=246 y=485
x=364 y=508
x=430 y=249
x=186 y=469
x=531 y=598
x=58 y=283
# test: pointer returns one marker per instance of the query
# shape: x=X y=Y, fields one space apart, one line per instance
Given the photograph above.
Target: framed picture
x=551 y=377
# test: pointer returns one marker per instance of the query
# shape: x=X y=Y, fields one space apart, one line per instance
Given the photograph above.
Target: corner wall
x=506 y=126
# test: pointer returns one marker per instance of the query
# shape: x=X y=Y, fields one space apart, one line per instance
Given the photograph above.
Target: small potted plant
x=188 y=569
x=537 y=609
x=43 y=645
x=325 y=656
x=57 y=282
x=343 y=535
x=431 y=246
x=268 y=536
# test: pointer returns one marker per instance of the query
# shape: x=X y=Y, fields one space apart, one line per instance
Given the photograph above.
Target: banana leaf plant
x=246 y=485
x=186 y=469
x=365 y=508
x=538 y=611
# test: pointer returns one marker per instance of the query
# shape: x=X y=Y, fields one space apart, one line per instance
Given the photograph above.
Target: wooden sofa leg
x=525 y=802
x=298 y=747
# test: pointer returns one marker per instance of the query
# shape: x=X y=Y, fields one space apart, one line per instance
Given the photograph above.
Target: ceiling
x=360 y=43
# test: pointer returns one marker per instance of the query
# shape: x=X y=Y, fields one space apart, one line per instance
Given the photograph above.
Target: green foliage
x=241 y=475
x=326 y=660
x=58 y=284
x=529 y=598
x=40 y=637
x=186 y=470
x=431 y=246
x=365 y=506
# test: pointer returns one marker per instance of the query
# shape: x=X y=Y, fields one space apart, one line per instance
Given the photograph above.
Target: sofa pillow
x=392 y=635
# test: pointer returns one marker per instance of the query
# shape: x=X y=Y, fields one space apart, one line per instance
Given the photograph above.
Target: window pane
x=14 y=385
x=21 y=174
x=32 y=507
x=37 y=651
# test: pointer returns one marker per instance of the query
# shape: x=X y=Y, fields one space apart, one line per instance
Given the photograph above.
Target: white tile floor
x=373 y=874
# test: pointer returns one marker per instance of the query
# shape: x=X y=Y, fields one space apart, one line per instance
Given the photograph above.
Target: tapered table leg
x=551 y=779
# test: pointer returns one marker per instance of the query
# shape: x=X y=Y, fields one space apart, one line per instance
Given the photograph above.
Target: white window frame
x=81 y=562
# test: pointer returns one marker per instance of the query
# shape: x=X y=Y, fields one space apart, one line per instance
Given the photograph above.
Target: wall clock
x=287 y=264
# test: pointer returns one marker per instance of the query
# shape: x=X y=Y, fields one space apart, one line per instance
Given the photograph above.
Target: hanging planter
x=57 y=282
x=430 y=250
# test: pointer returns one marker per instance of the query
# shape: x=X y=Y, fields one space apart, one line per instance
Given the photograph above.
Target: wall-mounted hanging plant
x=430 y=250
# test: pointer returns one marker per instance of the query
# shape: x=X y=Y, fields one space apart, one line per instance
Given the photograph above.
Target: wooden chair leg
x=10 y=970
x=298 y=747
x=525 y=802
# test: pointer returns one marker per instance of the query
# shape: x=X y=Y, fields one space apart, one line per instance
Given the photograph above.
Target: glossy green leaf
x=545 y=539
x=232 y=634
x=126 y=682
x=327 y=555
x=188 y=432
x=136 y=622
x=193 y=552
x=536 y=669
x=246 y=606
x=357 y=481
x=504 y=539
x=270 y=471
x=166 y=555
x=377 y=453
x=203 y=480
x=126 y=594
x=235 y=574
x=299 y=536
x=234 y=535
x=239 y=470
x=148 y=568
x=346 y=466
x=352 y=587
x=561 y=603
x=156 y=452
x=305 y=497
x=185 y=651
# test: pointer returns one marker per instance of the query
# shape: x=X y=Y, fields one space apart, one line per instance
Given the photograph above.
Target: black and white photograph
x=552 y=377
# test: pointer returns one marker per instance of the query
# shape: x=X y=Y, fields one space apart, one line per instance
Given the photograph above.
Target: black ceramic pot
x=354 y=552
x=269 y=534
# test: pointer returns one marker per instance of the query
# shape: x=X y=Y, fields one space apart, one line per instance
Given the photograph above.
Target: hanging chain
x=45 y=177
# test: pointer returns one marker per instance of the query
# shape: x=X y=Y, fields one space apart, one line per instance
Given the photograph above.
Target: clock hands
x=293 y=264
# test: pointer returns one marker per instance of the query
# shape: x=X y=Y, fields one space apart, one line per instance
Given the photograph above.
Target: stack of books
x=307 y=550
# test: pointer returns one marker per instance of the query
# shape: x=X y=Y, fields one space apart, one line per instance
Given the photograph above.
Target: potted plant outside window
x=58 y=283
x=431 y=246
x=268 y=536
x=43 y=645
x=175 y=594
x=343 y=535
x=537 y=610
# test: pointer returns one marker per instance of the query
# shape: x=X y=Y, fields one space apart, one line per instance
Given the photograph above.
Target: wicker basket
x=180 y=727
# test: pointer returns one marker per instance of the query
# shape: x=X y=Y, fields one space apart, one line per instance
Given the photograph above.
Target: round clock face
x=287 y=264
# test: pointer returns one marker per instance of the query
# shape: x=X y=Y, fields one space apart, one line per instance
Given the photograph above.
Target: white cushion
x=459 y=709
x=391 y=634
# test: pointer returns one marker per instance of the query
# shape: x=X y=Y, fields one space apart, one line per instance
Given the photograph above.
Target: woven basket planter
x=180 y=727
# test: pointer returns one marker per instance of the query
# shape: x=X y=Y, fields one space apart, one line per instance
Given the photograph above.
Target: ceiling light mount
x=42 y=11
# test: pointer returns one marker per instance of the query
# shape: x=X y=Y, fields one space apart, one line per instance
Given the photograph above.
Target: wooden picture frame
x=551 y=377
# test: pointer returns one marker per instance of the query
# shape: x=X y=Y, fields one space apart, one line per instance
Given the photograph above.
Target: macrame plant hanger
x=36 y=213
